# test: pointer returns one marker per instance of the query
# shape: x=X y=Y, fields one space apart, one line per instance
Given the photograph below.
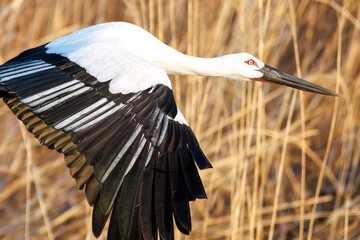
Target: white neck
x=187 y=65
x=174 y=62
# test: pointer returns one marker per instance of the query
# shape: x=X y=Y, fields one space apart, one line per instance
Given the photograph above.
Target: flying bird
x=103 y=98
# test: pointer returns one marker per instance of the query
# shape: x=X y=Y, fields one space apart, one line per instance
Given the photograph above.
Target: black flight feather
x=129 y=191
x=98 y=219
x=113 y=182
x=147 y=209
x=191 y=174
x=179 y=194
x=163 y=198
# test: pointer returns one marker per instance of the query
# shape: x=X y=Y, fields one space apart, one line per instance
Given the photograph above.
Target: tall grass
x=286 y=163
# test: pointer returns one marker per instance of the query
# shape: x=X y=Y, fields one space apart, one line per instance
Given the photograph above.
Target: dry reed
x=286 y=165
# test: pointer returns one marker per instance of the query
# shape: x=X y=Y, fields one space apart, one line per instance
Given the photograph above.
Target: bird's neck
x=176 y=63
x=181 y=64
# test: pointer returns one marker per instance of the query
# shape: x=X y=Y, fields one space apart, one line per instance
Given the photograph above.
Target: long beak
x=276 y=76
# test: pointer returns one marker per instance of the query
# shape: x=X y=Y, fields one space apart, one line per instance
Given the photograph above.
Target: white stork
x=102 y=96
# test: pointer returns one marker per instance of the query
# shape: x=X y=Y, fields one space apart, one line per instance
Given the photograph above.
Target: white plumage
x=102 y=97
x=124 y=58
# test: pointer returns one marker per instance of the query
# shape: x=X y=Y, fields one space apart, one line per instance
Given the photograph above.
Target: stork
x=103 y=98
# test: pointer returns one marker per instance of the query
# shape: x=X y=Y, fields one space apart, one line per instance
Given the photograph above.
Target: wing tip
x=208 y=166
x=202 y=196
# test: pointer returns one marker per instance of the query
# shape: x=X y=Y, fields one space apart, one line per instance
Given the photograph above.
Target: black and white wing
x=124 y=140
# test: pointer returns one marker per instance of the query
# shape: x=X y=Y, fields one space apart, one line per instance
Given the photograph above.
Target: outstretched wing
x=124 y=140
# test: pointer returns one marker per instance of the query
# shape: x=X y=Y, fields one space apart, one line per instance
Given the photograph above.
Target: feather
x=191 y=174
x=154 y=133
x=135 y=232
x=98 y=219
x=147 y=210
x=179 y=194
x=92 y=189
x=113 y=181
x=168 y=132
x=97 y=129
x=83 y=175
x=196 y=151
x=99 y=137
x=163 y=199
x=116 y=150
x=63 y=109
x=113 y=232
x=39 y=84
x=129 y=191
x=146 y=115
x=174 y=140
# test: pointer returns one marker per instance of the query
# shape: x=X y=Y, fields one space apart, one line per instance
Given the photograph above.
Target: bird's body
x=102 y=96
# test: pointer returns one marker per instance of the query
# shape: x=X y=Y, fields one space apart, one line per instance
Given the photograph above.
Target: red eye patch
x=251 y=62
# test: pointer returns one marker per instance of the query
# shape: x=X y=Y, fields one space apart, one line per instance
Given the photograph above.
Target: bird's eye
x=250 y=62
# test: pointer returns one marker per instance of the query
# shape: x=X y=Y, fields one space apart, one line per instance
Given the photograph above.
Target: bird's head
x=243 y=66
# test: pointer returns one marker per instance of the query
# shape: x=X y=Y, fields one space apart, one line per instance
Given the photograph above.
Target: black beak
x=276 y=76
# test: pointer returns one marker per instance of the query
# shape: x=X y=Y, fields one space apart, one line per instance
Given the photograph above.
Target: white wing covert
x=123 y=137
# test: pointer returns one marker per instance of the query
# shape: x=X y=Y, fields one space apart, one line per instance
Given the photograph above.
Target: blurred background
x=286 y=163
